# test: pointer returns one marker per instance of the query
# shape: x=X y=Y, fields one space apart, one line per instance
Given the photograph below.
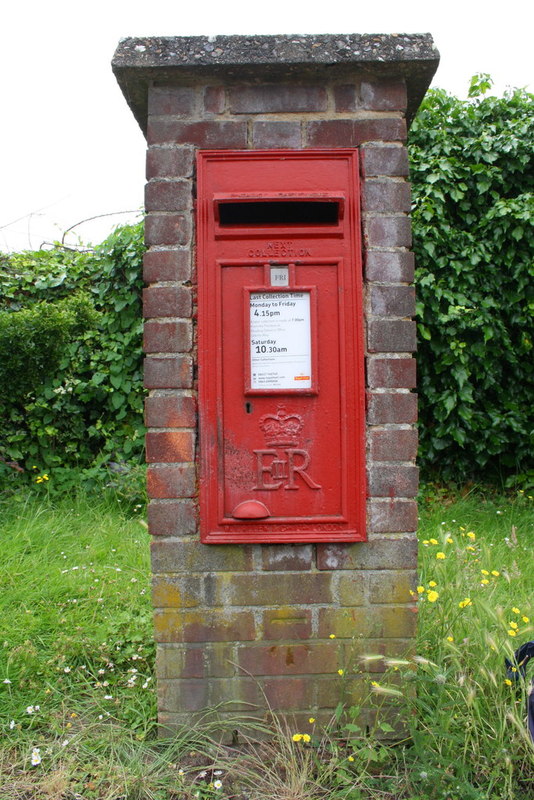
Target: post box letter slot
x=278 y=212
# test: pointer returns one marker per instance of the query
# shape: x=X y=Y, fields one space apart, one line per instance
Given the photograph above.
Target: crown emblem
x=281 y=429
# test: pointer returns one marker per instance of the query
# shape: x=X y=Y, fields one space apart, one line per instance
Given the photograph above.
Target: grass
x=76 y=671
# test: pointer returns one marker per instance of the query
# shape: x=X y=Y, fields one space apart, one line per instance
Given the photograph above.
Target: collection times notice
x=280 y=340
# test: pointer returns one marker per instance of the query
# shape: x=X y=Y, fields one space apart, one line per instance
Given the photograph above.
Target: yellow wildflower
x=516 y=610
x=432 y=584
x=484 y=571
x=433 y=541
x=420 y=589
x=311 y=720
x=375 y=683
x=440 y=555
x=341 y=672
x=306 y=737
x=466 y=602
x=332 y=636
x=484 y=581
x=525 y=619
x=297 y=737
x=511 y=632
x=432 y=596
x=471 y=548
x=495 y=572
x=350 y=758
x=450 y=540
x=513 y=625
x=450 y=638
x=508 y=682
x=471 y=535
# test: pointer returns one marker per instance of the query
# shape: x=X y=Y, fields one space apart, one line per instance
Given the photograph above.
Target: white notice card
x=280 y=340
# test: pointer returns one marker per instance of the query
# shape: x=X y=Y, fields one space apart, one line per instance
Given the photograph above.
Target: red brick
x=167 y=265
x=176 y=591
x=287 y=556
x=170 y=411
x=353 y=132
x=161 y=229
x=169 y=162
x=391 y=373
x=241 y=695
x=214 y=99
x=388 y=231
x=346 y=97
x=192 y=625
x=168 y=373
x=277 y=98
x=384 y=160
x=171 y=100
x=265 y=589
x=289 y=659
x=190 y=555
x=171 y=482
x=396 y=622
x=289 y=693
x=391 y=407
x=220 y=659
x=172 y=518
x=166 y=301
x=383 y=554
x=384 y=95
x=222 y=135
x=391 y=336
x=351 y=589
x=187 y=695
x=167 y=195
x=389 y=266
x=392 y=444
x=385 y=480
x=397 y=589
x=169 y=446
x=378 y=95
x=395 y=301
x=179 y=661
x=168 y=337
x=276 y=134
x=385 y=195
x=286 y=623
x=389 y=516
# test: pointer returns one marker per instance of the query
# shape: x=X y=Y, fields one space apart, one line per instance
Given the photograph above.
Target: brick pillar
x=245 y=624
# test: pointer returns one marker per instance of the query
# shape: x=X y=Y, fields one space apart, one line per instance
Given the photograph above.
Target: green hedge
x=70 y=358
x=473 y=212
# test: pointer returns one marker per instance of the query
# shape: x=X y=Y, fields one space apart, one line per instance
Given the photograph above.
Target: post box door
x=280 y=351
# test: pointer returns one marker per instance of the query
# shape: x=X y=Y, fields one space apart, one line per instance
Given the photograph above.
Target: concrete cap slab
x=184 y=60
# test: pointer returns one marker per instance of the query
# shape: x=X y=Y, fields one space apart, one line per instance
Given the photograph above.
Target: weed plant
x=77 y=706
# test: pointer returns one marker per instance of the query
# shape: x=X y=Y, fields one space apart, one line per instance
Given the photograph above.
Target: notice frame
x=276 y=362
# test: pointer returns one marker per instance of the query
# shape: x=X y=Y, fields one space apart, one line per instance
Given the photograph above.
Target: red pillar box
x=280 y=327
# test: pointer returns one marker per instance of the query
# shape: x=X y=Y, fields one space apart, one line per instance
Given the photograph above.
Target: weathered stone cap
x=176 y=60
